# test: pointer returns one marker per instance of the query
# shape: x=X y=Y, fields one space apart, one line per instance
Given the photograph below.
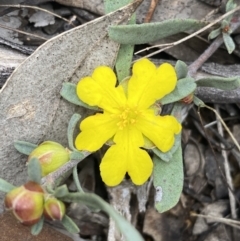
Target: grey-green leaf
x=181 y=69
x=24 y=147
x=37 y=228
x=198 y=102
x=68 y=92
x=183 y=88
x=5 y=186
x=71 y=128
x=215 y=33
x=149 y=32
x=34 y=170
x=70 y=226
x=167 y=156
x=229 y=43
x=222 y=83
x=61 y=191
x=125 y=53
x=168 y=181
x=95 y=202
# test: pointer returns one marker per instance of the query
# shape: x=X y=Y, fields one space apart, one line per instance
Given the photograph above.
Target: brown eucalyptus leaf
x=31 y=108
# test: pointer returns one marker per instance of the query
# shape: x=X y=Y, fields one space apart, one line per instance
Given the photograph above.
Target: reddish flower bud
x=51 y=155
x=26 y=202
x=188 y=99
x=54 y=209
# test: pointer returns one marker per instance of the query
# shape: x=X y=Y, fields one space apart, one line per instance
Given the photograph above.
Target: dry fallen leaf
x=31 y=107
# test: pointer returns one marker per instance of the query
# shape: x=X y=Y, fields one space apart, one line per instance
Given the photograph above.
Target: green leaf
x=168 y=181
x=149 y=32
x=167 y=156
x=198 y=102
x=69 y=93
x=70 y=226
x=34 y=170
x=183 y=88
x=61 y=191
x=6 y=186
x=37 y=228
x=93 y=201
x=230 y=5
x=229 y=43
x=71 y=127
x=24 y=147
x=215 y=33
x=181 y=69
x=124 y=61
x=125 y=53
x=222 y=83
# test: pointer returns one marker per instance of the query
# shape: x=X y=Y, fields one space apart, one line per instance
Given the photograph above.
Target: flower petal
x=140 y=166
x=95 y=131
x=113 y=166
x=159 y=129
x=99 y=90
x=120 y=159
x=149 y=84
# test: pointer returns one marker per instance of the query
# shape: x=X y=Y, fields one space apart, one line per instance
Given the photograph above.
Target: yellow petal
x=126 y=156
x=120 y=159
x=95 y=131
x=140 y=166
x=129 y=136
x=113 y=166
x=149 y=84
x=99 y=90
x=159 y=129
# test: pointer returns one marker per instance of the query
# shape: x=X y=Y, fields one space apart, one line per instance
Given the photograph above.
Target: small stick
x=36 y=8
x=19 y=31
x=226 y=168
x=151 y=11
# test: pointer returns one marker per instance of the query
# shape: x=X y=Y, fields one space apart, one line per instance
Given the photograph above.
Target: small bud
x=188 y=99
x=51 y=156
x=54 y=209
x=26 y=202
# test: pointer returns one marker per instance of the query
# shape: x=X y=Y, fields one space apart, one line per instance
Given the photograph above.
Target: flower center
x=128 y=116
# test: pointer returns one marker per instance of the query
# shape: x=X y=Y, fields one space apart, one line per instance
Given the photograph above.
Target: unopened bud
x=54 y=209
x=188 y=99
x=51 y=156
x=26 y=202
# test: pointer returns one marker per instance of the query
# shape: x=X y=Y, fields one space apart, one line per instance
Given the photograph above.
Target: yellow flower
x=127 y=118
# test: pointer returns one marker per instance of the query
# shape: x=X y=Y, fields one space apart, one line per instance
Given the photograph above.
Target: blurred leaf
x=61 y=191
x=215 y=33
x=181 y=69
x=24 y=147
x=34 y=170
x=198 y=102
x=168 y=181
x=93 y=201
x=229 y=43
x=37 y=228
x=6 y=186
x=150 y=32
x=167 y=156
x=68 y=92
x=70 y=226
x=71 y=128
x=230 y=5
x=183 y=88
x=222 y=83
